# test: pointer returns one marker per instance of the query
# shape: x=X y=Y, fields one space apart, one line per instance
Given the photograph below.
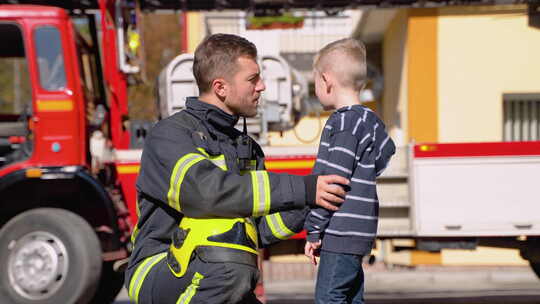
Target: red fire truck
x=67 y=173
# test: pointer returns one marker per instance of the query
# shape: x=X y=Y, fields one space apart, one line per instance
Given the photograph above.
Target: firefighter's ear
x=219 y=86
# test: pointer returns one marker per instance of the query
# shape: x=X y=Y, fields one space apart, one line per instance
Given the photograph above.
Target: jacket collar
x=214 y=115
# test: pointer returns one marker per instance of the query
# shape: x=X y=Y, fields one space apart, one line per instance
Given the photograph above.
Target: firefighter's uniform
x=205 y=205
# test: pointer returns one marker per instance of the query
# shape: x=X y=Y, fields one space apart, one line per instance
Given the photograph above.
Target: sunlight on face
x=245 y=88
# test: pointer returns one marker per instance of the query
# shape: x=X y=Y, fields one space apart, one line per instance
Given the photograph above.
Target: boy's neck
x=345 y=98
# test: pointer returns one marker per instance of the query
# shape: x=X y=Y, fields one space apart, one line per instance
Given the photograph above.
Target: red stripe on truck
x=525 y=148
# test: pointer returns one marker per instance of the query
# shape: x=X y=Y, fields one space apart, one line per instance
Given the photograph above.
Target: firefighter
x=205 y=202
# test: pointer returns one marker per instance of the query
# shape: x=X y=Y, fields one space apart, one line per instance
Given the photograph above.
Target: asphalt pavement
x=434 y=285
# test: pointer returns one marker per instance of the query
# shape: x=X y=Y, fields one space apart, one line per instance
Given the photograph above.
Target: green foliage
x=15 y=90
x=260 y=22
x=161 y=42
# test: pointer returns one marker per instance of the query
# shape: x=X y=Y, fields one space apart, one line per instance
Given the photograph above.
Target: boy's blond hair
x=346 y=59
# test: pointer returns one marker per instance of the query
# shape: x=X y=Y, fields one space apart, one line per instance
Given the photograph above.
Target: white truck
x=461 y=195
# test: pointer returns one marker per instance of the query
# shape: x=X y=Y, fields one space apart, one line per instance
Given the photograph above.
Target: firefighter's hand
x=311 y=250
x=330 y=192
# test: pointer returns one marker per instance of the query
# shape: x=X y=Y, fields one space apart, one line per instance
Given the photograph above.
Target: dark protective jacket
x=190 y=167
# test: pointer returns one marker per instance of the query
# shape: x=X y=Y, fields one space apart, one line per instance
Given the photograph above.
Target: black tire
x=110 y=284
x=536 y=268
x=48 y=256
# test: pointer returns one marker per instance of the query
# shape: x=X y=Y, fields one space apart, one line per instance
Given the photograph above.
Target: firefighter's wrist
x=310 y=181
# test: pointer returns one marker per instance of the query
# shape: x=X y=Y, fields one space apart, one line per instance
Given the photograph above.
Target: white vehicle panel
x=477 y=196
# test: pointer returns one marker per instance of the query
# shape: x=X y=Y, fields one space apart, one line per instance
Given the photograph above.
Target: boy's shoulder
x=351 y=117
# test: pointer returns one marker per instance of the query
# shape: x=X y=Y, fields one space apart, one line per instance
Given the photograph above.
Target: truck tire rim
x=37 y=265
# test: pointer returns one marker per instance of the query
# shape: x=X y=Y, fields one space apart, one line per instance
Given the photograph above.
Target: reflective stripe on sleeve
x=177 y=176
x=190 y=291
x=261 y=193
x=278 y=228
x=219 y=160
x=142 y=271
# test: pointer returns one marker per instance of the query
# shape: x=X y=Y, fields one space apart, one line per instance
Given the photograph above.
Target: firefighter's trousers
x=204 y=282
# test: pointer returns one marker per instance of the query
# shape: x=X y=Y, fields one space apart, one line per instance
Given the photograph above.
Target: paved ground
x=434 y=285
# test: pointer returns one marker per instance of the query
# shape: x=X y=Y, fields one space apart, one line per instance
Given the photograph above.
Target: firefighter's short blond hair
x=346 y=59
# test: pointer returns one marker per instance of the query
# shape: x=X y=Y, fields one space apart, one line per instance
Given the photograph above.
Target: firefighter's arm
x=280 y=226
x=198 y=186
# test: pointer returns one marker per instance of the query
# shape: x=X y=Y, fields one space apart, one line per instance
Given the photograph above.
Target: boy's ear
x=326 y=79
x=219 y=87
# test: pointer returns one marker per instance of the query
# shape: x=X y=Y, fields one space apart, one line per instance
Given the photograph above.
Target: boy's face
x=244 y=88
x=322 y=90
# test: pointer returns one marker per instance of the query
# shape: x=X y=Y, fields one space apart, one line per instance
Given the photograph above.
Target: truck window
x=15 y=96
x=52 y=75
x=88 y=57
x=15 y=88
x=89 y=76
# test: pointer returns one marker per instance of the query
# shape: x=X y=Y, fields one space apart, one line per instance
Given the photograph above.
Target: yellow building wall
x=196 y=30
x=483 y=52
x=445 y=73
x=422 y=75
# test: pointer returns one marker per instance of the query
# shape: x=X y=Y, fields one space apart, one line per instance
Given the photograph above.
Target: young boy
x=354 y=144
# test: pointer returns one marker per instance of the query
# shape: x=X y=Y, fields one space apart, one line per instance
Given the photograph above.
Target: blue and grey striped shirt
x=354 y=144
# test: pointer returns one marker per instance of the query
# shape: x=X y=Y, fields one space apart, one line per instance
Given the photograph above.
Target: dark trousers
x=340 y=279
x=203 y=283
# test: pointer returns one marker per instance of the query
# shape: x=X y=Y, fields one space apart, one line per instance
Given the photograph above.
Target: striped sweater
x=354 y=144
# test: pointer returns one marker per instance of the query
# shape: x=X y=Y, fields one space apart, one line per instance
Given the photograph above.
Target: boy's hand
x=311 y=250
x=328 y=193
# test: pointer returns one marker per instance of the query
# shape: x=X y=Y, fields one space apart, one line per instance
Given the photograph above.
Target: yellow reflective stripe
x=134 y=234
x=185 y=297
x=277 y=226
x=136 y=228
x=54 y=105
x=203 y=151
x=255 y=189
x=261 y=193
x=219 y=160
x=142 y=271
x=180 y=169
x=266 y=184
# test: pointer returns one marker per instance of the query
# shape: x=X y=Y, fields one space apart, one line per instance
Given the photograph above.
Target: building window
x=521 y=117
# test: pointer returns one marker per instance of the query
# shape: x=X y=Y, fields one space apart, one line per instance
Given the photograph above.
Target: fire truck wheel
x=110 y=284
x=48 y=256
x=536 y=268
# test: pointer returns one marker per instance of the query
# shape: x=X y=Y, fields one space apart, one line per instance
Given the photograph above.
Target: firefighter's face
x=245 y=88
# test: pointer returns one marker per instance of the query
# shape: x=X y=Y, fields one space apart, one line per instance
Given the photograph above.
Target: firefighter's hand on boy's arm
x=311 y=250
x=330 y=191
